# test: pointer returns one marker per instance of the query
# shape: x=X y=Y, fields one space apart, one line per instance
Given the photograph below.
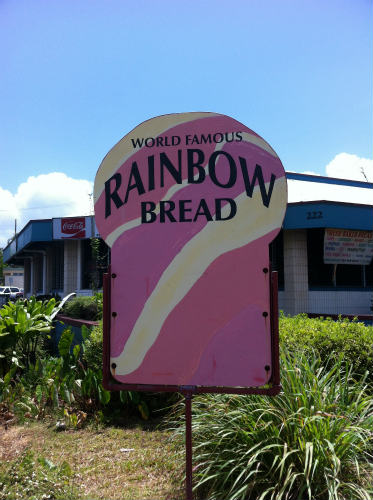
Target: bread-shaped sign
x=189 y=204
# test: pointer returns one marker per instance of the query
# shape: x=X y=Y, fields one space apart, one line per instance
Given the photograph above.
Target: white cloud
x=347 y=166
x=43 y=197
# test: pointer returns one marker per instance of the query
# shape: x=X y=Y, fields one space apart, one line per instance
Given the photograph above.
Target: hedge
x=350 y=340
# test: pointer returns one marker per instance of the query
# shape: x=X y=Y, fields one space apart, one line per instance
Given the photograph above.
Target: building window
x=368 y=275
x=95 y=255
x=276 y=256
x=330 y=275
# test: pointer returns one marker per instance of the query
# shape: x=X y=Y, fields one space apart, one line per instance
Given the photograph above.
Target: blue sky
x=77 y=75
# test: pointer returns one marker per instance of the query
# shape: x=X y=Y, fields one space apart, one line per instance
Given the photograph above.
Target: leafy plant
x=57 y=383
x=93 y=348
x=144 y=403
x=70 y=384
x=313 y=441
x=23 y=328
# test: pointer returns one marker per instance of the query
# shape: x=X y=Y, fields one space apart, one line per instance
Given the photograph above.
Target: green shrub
x=313 y=441
x=89 y=308
x=351 y=340
x=93 y=348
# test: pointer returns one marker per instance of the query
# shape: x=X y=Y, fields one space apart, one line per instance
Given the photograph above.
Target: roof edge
x=328 y=180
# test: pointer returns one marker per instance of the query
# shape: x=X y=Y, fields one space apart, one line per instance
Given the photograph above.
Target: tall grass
x=313 y=441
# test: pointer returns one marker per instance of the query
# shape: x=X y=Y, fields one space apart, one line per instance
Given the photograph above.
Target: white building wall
x=14 y=276
x=70 y=264
x=357 y=303
x=73 y=268
x=340 y=302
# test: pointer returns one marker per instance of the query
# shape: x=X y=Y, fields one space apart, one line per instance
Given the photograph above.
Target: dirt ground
x=13 y=441
x=126 y=463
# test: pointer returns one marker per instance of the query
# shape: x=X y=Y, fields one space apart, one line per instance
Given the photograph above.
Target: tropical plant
x=144 y=402
x=24 y=326
x=313 y=441
x=61 y=383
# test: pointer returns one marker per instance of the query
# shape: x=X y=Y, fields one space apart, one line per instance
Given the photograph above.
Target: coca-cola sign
x=72 y=228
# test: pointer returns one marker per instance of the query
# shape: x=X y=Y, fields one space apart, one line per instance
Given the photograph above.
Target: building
x=13 y=276
x=323 y=253
x=312 y=280
x=59 y=256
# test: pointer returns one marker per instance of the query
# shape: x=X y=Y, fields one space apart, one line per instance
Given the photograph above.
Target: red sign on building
x=73 y=228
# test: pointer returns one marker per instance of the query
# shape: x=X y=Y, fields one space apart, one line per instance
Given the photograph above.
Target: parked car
x=4 y=294
x=10 y=293
x=16 y=293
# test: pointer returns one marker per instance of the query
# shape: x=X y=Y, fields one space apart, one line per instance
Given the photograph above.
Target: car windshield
x=14 y=289
x=2 y=288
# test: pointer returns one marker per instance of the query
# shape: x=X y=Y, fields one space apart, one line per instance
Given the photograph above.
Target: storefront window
x=333 y=275
x=95 y=256
x=276 y=256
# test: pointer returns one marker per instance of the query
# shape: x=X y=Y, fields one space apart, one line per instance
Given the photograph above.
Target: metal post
x=188 y=446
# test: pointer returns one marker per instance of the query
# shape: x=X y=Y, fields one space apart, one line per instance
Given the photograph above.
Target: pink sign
x=189 y=204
